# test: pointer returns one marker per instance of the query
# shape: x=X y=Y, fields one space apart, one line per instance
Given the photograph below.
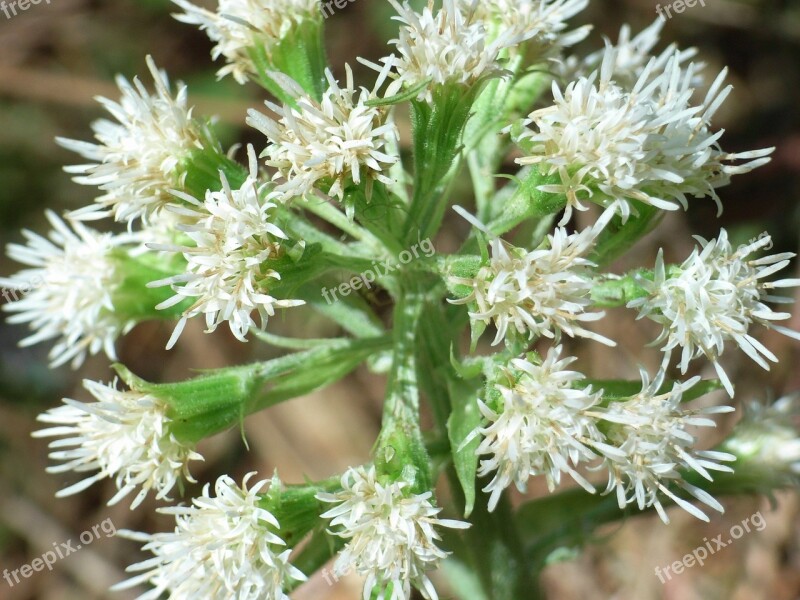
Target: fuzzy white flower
x=648 y=144
x=239 y=26
x=66 y=295
x=447 y=46
x=544 y=292
x=124 y=435
x=651 y=440
x=338 y=140
x=540 y=426
x=391 y=532
x=223 y=547
x=233 y=237
x=542 y=23
x=136 y=161
x=714 y=296
x=631 y=55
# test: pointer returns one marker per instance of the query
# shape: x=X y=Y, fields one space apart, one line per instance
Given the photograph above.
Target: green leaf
x=619 y=236
x=404 y=96
x=464 y=420
x=617 y=390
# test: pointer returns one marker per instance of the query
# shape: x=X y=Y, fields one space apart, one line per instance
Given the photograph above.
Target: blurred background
x=55 y=57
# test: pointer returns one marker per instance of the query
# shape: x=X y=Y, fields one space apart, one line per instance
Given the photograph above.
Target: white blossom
x=66 y=294
x=239 y=27
x=223 y=547
x=391 y=532
x=649 y=144
x=541 y=23
x=136 y=162
x=651 y=442
x=233 y=237
x=338 y=140
x=544 y=292
x=124 y=436
x=540 y=425
x=448 y=46
x=714 y=296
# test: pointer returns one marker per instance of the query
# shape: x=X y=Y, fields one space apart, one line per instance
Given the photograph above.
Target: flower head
x=137 y=159
x=541 y=23
x=391 y=532
x=238 y=26
x=326 y=144
x=544 y=292
x=124 y=436
x=223 y=546
x=714 y=296
x=648 y=441
x=233 y=237
x=66 y=294
x=540 y=425
x=616 y=145
x=447 y=46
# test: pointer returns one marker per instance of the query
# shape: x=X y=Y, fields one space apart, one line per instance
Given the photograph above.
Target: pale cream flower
x=136 y=162
x=391 y=533
x=67 y=293
x=239 y=26
x=223 y=547
x=124 y=436
x=714 y=296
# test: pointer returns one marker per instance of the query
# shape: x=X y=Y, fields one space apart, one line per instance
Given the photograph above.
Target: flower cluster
x=223 y=546
x=138 y=159
x=233 y=239
x=328 y=144
x=68 y=290
x=714 y=296
x=124 y=436
x=240 y=27
x=648 y=144
x=450 y=46
x=542 y=426
x=391 y=533
x=328 y=191
x=547 y=424
x=544 y=292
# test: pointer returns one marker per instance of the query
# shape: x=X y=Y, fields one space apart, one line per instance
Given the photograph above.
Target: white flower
x=136 y=161
x=649 y=433
x=124 y=436
x=223 y=547
x=542 y=23
x=715 y=296
x=239 y=27
x=391 y=532
x=539 y=427
x=648 y=144
x=337 y=140
x=66 y=295
x=544 y=292
x=225 y=273
x=448 y=46
x=630 y=57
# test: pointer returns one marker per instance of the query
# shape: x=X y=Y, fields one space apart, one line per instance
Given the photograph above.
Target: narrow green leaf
x=463 y=421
